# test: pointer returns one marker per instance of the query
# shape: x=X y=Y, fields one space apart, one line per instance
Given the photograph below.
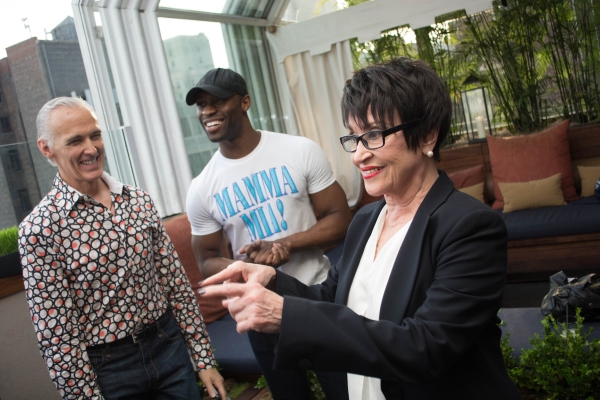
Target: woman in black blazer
x=410 y=310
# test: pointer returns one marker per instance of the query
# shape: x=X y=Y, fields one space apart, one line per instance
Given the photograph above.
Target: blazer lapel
x=352 y=256
x=402 y=278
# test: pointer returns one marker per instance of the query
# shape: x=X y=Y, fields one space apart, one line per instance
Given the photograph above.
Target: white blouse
x=366 y=294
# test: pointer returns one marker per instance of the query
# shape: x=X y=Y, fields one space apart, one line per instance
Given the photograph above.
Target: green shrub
x=9 y=239
x=507 y=353
x=261 y=383
x=316 y=391
x=562 y=365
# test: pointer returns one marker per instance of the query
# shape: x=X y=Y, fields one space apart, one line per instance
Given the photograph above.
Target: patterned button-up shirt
x=91 y=278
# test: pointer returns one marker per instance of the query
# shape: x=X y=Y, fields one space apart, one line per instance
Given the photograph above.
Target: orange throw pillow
x=468 y=176
x=532 y=157
x=470 y=181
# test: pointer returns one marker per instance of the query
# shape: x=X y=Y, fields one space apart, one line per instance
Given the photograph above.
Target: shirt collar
x=66 y=196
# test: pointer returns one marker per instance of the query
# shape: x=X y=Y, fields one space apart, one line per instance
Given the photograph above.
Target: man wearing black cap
x=276 y=199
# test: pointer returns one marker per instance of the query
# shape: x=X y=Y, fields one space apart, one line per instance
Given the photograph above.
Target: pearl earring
x=430 y=154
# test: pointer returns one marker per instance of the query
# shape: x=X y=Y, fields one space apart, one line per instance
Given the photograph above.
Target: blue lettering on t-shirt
x=239 y=197
x=253 y=226
x=249 y=196
x=254 y=192
x=288 y=181
x=224 y=204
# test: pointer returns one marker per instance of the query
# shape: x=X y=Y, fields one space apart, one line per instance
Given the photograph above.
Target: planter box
x=10 y=265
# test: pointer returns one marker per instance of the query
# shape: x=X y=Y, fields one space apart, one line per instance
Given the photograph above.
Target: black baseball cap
x=220 y=82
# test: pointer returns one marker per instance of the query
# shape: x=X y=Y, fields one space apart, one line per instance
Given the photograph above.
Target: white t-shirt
x=264 y=196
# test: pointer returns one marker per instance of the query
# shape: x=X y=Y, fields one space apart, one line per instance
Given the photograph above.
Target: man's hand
x=251 y=305
x=242 y=272
x=266 y=253
x=213 y=382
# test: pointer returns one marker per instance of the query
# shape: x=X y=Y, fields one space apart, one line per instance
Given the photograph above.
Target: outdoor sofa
x=548 y=239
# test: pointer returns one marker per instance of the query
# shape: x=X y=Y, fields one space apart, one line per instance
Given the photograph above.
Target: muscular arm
x=333 y=217
x=209 y=254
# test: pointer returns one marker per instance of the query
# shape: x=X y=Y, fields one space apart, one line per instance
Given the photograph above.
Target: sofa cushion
x=532 y=157
x=533 y=194
x=476 y=191
x=180 y=231
x=470 y=180
x=467 y=177
x=232 y=350
x=589 y=177
x=578 y=217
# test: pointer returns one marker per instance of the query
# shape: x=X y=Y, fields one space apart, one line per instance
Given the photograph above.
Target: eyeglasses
x=373 y=139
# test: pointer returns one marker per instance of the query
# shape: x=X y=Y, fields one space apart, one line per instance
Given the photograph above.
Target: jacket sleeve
x=289 y=286
x=469 y=269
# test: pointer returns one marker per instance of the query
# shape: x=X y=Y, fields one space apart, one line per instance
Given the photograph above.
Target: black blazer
x=437 y=335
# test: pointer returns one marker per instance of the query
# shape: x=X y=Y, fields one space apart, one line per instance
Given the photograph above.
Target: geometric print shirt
x=92 y=278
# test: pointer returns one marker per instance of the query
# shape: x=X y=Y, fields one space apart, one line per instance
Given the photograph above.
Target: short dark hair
x=404 y=87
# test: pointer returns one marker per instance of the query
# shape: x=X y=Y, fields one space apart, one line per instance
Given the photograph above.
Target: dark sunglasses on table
x=373 y=139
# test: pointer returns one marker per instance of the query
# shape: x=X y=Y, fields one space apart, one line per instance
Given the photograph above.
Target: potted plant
x=10 y=262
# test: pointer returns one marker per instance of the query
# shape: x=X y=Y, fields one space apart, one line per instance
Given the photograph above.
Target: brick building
x=33 y=72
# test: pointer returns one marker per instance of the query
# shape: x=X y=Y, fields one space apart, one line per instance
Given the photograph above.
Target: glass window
x=5 y=125
x=24 y=198
x=15 y=162
x=194 y=47
x=302 y=10
x=246 y=8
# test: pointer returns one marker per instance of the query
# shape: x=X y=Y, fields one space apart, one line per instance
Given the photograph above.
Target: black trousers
x=293 y=384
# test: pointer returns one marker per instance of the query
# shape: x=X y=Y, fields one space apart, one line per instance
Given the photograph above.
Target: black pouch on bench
x=581 y=293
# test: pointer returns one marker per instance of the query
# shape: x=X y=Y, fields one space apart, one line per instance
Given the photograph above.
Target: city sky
x=46 y=14
x=40 y=14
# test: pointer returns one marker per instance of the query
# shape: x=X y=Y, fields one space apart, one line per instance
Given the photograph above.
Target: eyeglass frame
x=383 y=133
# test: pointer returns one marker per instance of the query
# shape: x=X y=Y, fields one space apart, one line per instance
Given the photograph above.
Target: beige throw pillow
x=589 y=176
x=533 y=194
x=475 y=191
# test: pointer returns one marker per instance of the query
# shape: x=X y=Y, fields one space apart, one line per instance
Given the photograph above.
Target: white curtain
x=315 y=86
x=152 y=130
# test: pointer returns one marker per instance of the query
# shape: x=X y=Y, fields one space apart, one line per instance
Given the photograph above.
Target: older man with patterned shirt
x=110 y=302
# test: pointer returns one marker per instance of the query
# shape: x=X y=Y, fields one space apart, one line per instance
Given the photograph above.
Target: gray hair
x=44 y=131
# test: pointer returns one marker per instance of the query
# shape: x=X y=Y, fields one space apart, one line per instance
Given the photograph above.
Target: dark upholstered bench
x=232 y=350
x=578 y=217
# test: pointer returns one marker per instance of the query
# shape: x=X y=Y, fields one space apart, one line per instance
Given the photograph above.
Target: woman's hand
x=251 y=305
x=242 y=272
x=213 y=382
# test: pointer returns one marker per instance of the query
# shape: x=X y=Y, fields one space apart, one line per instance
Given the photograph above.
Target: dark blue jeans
x=158 y=367
x=293 y=384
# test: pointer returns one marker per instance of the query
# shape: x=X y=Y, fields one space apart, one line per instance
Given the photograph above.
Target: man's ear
x=46 y=151
x=246 y=102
